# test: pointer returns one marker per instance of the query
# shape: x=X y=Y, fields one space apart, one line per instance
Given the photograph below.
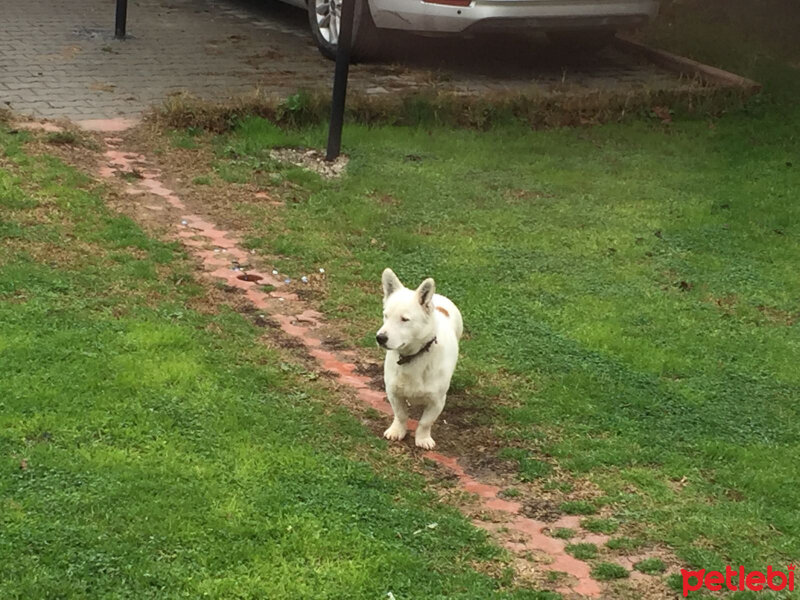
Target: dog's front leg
x=432 y=411
x=397 y=430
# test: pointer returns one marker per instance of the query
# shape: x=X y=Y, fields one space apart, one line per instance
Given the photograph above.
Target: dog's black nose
x=382 y=338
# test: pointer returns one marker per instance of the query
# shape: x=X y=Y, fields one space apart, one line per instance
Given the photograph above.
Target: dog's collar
x=404 y=360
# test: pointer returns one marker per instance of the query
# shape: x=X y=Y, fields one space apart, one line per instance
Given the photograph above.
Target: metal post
x=340 y=80
x=122 y=19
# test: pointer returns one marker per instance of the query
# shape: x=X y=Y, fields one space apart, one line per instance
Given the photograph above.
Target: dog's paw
x=426 y=443
x=395 y=433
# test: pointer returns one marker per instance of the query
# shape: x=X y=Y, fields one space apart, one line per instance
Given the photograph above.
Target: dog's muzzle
x=382 y=338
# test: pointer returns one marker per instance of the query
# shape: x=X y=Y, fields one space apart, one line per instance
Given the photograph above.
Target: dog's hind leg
x=432 y=411
x=397 y=430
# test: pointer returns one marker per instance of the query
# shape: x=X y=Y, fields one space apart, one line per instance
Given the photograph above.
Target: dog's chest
x=415 y=384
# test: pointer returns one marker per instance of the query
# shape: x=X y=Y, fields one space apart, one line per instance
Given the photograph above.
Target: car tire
x=365 y=42
x=581 y=41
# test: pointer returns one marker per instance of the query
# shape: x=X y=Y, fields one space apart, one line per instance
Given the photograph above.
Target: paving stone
x=59 y=56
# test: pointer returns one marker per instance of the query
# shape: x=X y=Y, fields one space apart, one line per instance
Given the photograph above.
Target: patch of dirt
x=776 y=315
x=467 y=411
x=372 y=370
x=224 y=200
x=290 y=343
x=369 y=369
x=310 y=294
x=488 y=464
x=259 y=317
x=438 y=472
x=526 y=575
x=229 y=289
x=542 y=510
x=263 y=58
x=328 y=374
x=385 y=199
x=726 y=304
x=526 y=196
x=335 y=344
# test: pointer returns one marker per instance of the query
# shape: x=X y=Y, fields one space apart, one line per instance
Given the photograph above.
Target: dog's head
x=407 y=314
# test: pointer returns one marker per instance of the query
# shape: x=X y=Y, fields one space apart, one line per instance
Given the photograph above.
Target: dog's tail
x=458 y=323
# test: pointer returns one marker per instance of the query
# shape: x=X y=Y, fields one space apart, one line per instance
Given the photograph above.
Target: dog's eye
x=404 y=319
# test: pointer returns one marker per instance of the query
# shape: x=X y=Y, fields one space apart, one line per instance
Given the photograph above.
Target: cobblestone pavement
x=58 y=58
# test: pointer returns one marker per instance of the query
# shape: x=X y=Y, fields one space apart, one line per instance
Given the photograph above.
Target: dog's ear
x=390 y=283
x=425 y=293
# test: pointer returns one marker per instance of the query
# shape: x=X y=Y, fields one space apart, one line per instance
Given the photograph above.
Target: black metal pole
x=122 y=19
x=340 y=80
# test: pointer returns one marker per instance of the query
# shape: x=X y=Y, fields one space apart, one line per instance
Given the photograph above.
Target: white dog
x=420 y=330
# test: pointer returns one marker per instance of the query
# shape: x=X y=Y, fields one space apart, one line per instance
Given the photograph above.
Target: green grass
x=556 y=576
x=675 y=582
x=629 y=291
x=67 y=138
x=563 y=533
x=607 y=526
x=578 y=507
x=184 y=139
x=582 y=551
x=606 y=571
x=151 y=450
x=651 y=566
x=529 y=468
x=624 y=543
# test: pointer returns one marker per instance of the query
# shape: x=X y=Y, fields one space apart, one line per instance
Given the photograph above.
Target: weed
x=582 y=551
x=578 y=507
x=606 y=571
x=563 y=533
x=607 y=526
x=651 y=566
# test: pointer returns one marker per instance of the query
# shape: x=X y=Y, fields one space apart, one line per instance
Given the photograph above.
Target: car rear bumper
x=493 y=15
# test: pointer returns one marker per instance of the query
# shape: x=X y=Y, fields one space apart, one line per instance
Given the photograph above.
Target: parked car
x=575 y=21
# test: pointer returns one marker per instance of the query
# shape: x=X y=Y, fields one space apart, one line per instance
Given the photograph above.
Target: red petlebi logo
x=754 y=581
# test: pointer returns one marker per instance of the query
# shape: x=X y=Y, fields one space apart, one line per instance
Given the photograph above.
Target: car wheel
x=581 y=41
x=324 y=16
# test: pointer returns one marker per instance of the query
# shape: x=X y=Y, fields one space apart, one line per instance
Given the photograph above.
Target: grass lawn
x=153 y=448
x=630 y=291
